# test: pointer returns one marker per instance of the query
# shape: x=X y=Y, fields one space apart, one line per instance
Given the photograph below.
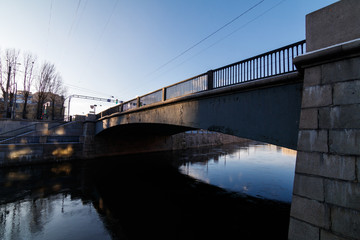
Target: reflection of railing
x=273 y=63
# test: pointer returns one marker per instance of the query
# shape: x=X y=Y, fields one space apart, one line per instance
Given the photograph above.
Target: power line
x=87 y=90
x=81 y=14
x=49 y=25
x=74 y=19
x=208 y=36
x=202 y=40
x=103 y=30
x=231 y=33
x=91 y=56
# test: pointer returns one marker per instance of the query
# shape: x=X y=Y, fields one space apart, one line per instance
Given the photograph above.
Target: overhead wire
x=203 y=39
x=49 y=26
x=88 y=90
x=104 y=29
x=208 y=36
x=228 y=35
x=81 y=14
x=74 y=24
x=75 y=20
x=100 y=36
x=73 y=86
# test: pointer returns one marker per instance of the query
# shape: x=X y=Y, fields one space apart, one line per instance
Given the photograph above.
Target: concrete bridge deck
x=266 y=110
x=257 y=98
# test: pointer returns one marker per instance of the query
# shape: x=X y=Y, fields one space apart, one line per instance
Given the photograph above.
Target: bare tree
x=29 y=61
x=44 y=85
x=57 y=95
x=11 y=57
x=48 y=84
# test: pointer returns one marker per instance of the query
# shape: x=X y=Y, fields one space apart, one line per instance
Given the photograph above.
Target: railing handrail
x=263 y=54
x=22 y=134
x=259 y=66
x=17 y=129
x=186 y=80
x=149 y=93
x=29 y=126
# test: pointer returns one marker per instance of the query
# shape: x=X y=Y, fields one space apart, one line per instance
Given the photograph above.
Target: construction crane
x=110 y=100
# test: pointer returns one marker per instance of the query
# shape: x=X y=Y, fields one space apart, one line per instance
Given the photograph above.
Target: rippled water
x=152 y=196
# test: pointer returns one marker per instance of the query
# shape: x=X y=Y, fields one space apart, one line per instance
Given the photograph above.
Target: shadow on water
x=146 y=197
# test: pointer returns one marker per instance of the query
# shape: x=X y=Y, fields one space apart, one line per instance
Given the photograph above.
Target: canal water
x=260 y=170
x=240 y=191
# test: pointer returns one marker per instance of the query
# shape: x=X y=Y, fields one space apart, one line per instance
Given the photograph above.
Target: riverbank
x=41 y=142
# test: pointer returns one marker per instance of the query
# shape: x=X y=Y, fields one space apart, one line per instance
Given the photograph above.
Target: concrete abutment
x=326 y=194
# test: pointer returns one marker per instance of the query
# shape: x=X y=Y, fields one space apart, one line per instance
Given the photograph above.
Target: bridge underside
x=266 y=110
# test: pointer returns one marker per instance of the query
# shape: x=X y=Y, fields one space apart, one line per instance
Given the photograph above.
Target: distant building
x=31 y=107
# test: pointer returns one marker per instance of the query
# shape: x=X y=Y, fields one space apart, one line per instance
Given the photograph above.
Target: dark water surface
x=149 y=197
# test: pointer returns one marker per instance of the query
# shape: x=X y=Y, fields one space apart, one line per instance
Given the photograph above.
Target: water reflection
x=55 y=217
x=260 y=170
x=136 y=197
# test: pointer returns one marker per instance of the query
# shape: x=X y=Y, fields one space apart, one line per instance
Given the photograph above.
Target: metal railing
x=28 y=129
x=151 y=98
x=265 y=65
x=18 y=131
x=273 y=63
x=191 y=85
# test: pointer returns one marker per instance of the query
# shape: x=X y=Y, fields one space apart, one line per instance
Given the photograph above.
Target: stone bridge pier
x=326 y=195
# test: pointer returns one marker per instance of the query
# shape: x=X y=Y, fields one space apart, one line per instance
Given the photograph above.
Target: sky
x=127 y=48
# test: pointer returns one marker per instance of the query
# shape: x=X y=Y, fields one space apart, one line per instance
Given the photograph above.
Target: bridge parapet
x=274 y=63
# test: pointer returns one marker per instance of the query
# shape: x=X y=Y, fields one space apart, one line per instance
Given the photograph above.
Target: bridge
x=258 y=98
x=305 y=99
x=313 y=107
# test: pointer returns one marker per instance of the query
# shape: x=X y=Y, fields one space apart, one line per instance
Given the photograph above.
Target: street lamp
x=93 y=107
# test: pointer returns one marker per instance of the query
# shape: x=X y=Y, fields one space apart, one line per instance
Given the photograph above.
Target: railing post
x=163 y=98
x=210 y=80
x=138 y=103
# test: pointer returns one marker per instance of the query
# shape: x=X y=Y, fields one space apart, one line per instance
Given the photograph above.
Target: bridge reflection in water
x=260 y=170
x=137 y=197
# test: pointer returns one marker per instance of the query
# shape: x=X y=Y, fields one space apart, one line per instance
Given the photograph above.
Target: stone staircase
x=41 y=141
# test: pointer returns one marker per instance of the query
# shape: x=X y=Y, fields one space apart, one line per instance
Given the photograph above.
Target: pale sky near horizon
x=124 y=48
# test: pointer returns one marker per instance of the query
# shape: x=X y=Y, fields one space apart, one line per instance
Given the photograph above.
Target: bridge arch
x=266 y=110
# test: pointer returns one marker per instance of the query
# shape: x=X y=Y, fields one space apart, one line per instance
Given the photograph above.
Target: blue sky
x=118 y=48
